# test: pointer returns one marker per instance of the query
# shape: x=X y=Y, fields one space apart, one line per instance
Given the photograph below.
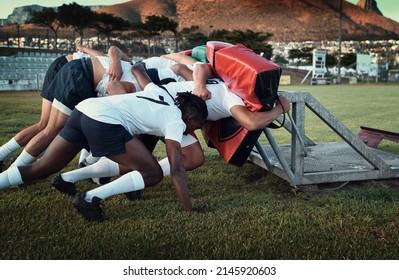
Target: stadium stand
x=24 y=70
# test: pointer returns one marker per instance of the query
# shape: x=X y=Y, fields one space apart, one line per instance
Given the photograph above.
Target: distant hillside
x=369 y=5
x=293 y=20
x=21 y=14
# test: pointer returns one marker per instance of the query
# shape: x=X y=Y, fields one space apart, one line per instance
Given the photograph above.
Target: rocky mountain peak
x=369 y=5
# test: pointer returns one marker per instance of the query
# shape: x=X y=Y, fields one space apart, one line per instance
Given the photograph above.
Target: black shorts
x=52 y=71
x=153 y=75
x=102 y=139
x=73 y=83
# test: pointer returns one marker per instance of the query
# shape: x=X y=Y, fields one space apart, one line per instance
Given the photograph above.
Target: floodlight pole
x=18 y=35
x=339 y=42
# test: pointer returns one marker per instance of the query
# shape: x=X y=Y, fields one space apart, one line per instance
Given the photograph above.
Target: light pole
x=339 y=42
x=18 y=35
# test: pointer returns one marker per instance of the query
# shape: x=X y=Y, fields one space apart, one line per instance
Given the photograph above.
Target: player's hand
x=202 y=92
x=284 y=103
x=80 y=48
x=115 y=72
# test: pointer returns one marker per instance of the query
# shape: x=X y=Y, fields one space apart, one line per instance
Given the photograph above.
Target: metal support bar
x=288 y=126
x=297 y=134
x=263 y=155
x=280 y=156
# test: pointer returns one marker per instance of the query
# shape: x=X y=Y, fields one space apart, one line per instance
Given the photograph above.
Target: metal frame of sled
x=304 y=162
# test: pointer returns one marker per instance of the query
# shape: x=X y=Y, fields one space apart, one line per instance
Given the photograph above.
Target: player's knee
x=42 y=124
x=193 y=157
x=195 y=161
x=110 y=86
x=153 y=176
x=158 y=175
x=50 y=132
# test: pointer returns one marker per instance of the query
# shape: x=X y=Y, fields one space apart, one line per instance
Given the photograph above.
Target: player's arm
x=119 y=87
x=115 y=67
x=115 y=58
x=178 y=173
x=90 y=52
x=141 y=75
x=183 y=71
x=180 y=58
x=201 y=74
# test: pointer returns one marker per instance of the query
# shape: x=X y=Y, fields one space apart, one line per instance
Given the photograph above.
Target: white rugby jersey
x=219 y=104
x=127 y=75
x=159 y=62
x=168 y=73
x=150 y=112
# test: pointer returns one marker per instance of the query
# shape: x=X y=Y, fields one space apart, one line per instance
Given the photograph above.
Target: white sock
x=8 y=148
x=24 y=159
x=90 y=159
x=83 y=154
x=10 y=177
x=102 y=168
x=164 y=163
x=132 y=181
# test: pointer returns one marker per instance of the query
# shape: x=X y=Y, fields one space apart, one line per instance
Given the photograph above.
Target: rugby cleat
x=65 y=187
x=90 y=210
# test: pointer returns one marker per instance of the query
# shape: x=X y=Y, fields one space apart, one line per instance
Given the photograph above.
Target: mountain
x=21 y=14
x=369 y=5
x=290 y=20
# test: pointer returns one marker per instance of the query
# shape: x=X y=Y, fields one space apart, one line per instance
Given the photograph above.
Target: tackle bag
x=252 y=77
x=233 y=142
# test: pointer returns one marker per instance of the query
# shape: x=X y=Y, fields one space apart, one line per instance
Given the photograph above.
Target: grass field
x=250 y=213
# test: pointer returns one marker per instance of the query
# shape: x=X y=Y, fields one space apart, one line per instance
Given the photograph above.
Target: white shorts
x=188 y=140
x=61 y=107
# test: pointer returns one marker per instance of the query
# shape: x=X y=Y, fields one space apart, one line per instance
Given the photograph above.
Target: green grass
x=250 y=213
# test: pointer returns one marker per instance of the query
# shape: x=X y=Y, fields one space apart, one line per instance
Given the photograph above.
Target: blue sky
x=389 y=8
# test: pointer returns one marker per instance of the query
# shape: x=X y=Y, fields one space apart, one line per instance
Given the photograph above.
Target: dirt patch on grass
x=389 y=184
x=344 y=186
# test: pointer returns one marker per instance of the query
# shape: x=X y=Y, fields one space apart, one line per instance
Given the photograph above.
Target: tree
x=279 y=59
x=192 y=37
x=155 y=25
x=147 y=31
x=106 y=24
x=256 y=41
x=348 y=59
x=331 y=60
x=47 y=17
x=77 y=17
x=301 y=55
x=172 y=26
x=150 y=28
x=307 y=55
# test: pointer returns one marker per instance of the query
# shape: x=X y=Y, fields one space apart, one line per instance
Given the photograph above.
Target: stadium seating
x=24 y=71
